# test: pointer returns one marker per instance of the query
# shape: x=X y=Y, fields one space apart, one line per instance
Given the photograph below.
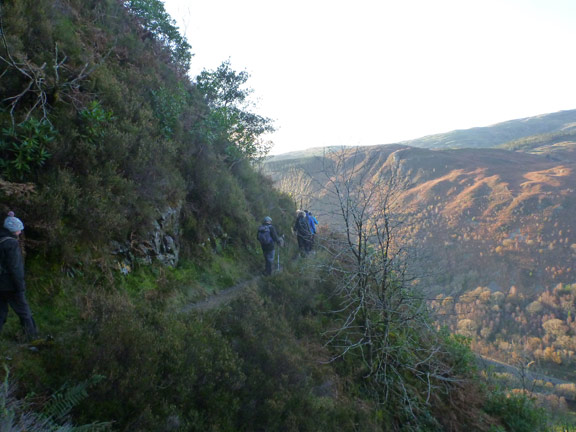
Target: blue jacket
x=312 y=221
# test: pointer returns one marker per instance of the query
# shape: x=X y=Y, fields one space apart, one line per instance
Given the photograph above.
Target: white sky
x=364 y=72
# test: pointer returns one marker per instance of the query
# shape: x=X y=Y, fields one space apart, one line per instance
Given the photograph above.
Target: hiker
x=267 y=236
x=302 y=230
x=12 y=285
x=312 y=222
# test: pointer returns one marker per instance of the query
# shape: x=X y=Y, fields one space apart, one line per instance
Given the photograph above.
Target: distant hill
x=500 y=133
x=514 y=134
x=484 y=217
x=315 y=151
x=495 y=207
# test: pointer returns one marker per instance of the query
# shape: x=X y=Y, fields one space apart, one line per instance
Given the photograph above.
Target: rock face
x=165 y=237
x=161 y=244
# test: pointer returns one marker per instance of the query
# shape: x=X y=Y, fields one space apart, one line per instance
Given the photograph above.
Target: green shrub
x=95 y=121
x=517 y=412
x=168 y=107
x=23 y=148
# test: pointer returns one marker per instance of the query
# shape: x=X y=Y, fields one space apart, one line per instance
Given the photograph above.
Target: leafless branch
x=383 y=321
x=60 y=83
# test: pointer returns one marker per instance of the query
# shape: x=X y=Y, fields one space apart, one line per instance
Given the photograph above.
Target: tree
x=384 y=322
x=231 y=118
x=299 y=186
x=555 y=327
x=154 y=18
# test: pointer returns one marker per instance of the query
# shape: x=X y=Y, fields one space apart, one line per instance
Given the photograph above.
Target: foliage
x=532 y=143
x=133 y=136
x=237 y=369
x=18 y=415
x=539 y=327
x=95 y=121
x=62 y=402
x=517 y=411
x=156 y=20
x=168 y=106
x=24 y=148
x=230 y=113
x=384 y=331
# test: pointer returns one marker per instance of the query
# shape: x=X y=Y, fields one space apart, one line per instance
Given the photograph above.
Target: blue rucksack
x=264 y=236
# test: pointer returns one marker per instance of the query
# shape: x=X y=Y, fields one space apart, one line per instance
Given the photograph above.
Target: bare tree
x=383 y=321
x=299 y=186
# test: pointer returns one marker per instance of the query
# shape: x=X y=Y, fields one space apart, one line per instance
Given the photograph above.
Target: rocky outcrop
x=161 y=244
x=165 y=237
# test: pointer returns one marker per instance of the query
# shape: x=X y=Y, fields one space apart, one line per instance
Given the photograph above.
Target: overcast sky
x=364 y=72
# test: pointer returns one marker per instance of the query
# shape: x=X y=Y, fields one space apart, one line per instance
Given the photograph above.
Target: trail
x=220 y=298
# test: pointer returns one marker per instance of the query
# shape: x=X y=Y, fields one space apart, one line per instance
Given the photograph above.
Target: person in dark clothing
x=268 y=237
x=12 y=285
x=302 y=230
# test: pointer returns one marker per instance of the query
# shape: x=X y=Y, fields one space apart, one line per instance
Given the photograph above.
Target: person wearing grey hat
x=267 y=236
x=12 y=285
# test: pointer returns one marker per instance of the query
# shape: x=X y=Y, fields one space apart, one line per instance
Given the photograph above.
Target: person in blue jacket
x=312 y=222
x=12 y=285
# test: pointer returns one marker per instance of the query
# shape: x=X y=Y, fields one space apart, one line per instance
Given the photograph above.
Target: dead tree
x=383 y=321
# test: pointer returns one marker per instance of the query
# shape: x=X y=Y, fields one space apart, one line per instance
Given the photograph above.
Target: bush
x=24 y=148
x=517 y=412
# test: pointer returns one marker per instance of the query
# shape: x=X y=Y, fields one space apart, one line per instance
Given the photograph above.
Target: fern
x=67 y=398
x=15 y=416
x=93 y=427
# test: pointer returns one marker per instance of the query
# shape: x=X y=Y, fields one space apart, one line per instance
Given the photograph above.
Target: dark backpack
x=302 y=227
x=264 y=236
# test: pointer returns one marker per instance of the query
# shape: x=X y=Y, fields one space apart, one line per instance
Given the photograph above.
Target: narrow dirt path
x=220 y=298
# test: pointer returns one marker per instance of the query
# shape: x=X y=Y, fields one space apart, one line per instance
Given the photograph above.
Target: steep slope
x=499 y=219
x=100 y=119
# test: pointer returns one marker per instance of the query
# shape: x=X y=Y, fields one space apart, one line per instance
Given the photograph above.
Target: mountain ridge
x=498 y=134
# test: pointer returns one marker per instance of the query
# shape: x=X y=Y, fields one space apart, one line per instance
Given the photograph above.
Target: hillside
x=487 y=217
x=491 y=231
x=500 y=133
x=506 y=212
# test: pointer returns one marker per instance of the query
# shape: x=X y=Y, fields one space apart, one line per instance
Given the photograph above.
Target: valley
x=491 y=234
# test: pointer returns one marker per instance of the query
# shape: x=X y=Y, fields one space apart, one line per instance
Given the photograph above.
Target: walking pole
x=281 y=245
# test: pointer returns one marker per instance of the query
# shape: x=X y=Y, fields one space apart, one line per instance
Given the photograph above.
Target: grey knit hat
x=12 y=223
x=267 y=220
